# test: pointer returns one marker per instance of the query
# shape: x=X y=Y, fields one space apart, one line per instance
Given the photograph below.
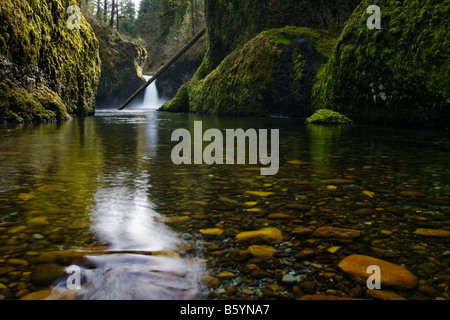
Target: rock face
x=399 y=74
x=230 y=23
x=392 y=275
x=271 y=74
x=48 y=70
x=122 y=66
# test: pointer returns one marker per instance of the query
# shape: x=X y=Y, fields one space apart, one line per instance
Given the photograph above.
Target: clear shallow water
x=106 y=186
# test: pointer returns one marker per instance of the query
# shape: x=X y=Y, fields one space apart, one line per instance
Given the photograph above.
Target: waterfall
x=151 y=96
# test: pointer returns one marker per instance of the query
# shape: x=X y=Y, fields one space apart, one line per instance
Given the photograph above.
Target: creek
x=103 y=193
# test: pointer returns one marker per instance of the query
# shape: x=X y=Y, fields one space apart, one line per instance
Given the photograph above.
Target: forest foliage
x=161 y=26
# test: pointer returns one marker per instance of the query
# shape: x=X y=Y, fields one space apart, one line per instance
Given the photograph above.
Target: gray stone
x=289 y=279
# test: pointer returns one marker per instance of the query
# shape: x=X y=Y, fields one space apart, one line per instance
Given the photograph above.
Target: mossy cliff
x=48 y=70
x=247 y=73
x=271 y=74
x=231 y=23
x=122 y=66
x=397 y=75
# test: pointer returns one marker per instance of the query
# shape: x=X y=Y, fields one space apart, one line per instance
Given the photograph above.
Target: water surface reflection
x=141 y=258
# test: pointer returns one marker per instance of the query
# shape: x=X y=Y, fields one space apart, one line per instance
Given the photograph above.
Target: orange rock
x=333 y=232
x=38 y=295
x=338 y=181
x=280 y=216
x=212 y=232
x=433 y=233
x=299 y=162
x=263 y=252
x=412 y=194
x=392 y=275
x=302 y=231
x=384 y=295
x=267 y=234
x=210 y=281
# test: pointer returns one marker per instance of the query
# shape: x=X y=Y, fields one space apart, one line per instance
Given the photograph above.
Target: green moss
x=122 y=64
x=232 y=23
x=325 y=116
x=180 y=103
x=18 y=105
x=271 y=74
x=399 y=75
x=52 y=102
x=39 y=53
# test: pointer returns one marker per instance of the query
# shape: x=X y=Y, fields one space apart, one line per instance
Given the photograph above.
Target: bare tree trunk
x=105 y=12
x=113 y=12
x=98 y=10
x=118 y=14
x=192 y=18
x=195 y=13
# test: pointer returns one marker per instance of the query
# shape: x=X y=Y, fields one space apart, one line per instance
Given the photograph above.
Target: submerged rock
x=259 y=193
x=433 y=233
x=225 y=275
x=6 y=270
x=289 y=279
x=210 y=281
x=302 y=231
x=212 y=232
x=46 y=274
x=383 y=295
x=392 y=275
x=263 y=252
x=324 y=297
x=38 y=221
x=272 y=235
x=333 y=232
x=37 y=295
x=280 y=216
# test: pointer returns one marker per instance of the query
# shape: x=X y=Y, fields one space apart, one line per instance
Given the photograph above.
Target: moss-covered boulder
x=326 y=116
x=399 y=74
x=122 y=66
x=232 y=23
x=271 y=74
x=48 y=70
x=18 y=104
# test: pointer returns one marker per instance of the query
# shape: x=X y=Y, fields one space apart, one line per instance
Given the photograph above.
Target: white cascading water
x=151 y=96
